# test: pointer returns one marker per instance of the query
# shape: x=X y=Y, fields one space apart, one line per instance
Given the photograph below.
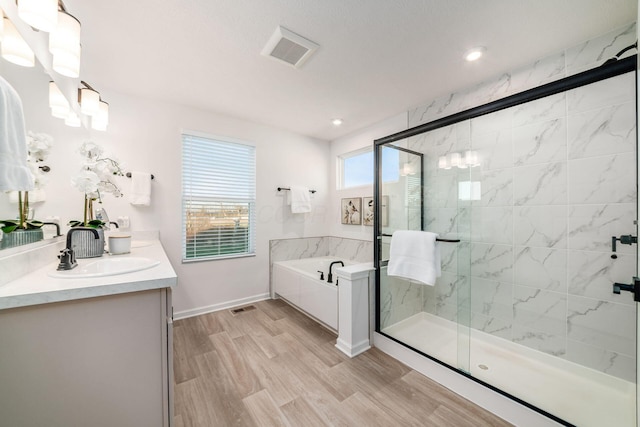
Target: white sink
x=106 y=267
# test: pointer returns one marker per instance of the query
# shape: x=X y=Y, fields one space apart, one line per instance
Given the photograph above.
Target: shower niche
x=533 y=186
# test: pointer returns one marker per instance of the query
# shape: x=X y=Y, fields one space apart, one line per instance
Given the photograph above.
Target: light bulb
x=66 y=35
x=40 y=14
x=455 y=160
x=89 y=101
x=14 y=48
x=443 y=163
x=67 y=63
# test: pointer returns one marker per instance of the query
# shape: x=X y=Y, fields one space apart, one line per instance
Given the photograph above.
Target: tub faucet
x=67 y=257
x=330 y=276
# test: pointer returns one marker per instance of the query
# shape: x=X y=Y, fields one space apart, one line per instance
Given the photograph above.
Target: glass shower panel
x=425 y=196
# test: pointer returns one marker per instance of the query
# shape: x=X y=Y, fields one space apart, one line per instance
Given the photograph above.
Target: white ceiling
x=377 y=58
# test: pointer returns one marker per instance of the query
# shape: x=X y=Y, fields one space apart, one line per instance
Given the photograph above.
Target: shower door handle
x=634 y=287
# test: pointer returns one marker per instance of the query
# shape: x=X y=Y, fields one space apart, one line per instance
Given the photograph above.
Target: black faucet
x=114 y=223
x=56 y=225
x=330 y=276
x=67 y=257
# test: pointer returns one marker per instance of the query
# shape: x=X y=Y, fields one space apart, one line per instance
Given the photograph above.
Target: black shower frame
x=606 y=71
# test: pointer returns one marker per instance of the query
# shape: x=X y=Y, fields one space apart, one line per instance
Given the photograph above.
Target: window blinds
x=218 y=198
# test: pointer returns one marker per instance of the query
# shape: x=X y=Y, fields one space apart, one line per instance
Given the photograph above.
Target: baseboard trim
x=352 y=351
x=221 y=306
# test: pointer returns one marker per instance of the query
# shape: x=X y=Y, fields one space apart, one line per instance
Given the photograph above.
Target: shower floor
x=575 y=393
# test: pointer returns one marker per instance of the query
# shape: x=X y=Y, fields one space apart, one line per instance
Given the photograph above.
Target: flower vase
x=21 y=237
x=85 y=244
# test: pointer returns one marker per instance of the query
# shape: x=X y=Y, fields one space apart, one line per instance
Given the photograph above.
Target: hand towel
x=140 y=189
x=14 y=170
x=300 y=199
x=414 y=255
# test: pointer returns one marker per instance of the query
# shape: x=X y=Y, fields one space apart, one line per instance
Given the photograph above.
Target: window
x=218 y=198
x=355 y=169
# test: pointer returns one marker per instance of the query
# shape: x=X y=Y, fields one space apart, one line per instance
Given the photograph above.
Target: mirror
x=32 y=84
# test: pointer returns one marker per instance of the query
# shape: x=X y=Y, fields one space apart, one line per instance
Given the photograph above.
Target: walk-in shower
x=529 y=191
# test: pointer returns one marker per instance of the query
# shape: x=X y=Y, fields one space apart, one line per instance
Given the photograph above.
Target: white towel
x=414 y=255
x=14 y=170
x=300 y=199
x=140 y=189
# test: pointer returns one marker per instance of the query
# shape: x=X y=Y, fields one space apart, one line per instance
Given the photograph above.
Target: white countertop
x=38 y=288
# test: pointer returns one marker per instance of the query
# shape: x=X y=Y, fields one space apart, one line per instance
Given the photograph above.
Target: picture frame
x=368 y=212
x=351 y=211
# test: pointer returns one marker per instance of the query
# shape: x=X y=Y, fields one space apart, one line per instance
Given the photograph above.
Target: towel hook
x=128 y=175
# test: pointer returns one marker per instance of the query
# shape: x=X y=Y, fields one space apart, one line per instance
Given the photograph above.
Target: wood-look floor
x=273 y=366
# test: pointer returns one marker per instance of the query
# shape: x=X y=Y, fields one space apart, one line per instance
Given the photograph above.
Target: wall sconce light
x=72 y=120
x=58 y=103
x=101 y=120
x=89 y=100
x=64 y=45
x=40 y=14
x=468 y=160
x=14 y=48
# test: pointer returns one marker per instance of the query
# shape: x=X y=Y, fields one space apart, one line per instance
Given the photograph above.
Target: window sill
x=217 y=258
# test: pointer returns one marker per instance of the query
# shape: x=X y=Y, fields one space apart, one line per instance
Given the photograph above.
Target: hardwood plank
x=240 y=374
x=275 y=366
x=300 y=413
x=264 y=411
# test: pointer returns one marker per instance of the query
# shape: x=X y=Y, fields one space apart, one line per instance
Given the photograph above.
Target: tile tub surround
x=311 y=247
x=557 y=181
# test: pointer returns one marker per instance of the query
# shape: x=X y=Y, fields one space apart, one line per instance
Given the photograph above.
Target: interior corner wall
x=360 y=139
x=145 y=135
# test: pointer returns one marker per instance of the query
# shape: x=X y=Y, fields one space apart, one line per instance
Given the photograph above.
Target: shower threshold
x=575 y=393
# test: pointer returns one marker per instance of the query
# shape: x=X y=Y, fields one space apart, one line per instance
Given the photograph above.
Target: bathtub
x=298 y=282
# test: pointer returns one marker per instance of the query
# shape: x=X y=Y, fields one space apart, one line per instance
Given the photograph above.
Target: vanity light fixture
x=39 y=14
x=474 y=54
x=72 y=120
x=101 y=120
x=64 y=45
x=468 y=159
x=336 y=122
x=57 y=101
x=14 y=48
x=89 y=100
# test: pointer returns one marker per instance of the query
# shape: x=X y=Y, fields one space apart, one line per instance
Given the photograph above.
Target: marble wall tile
x=491 y=123
x=541 y=268
x=540 y=72
x=595 y=52
x=405 y=299
x=603 y=360
x=540 y=310
x=602 y=324
x=592 y=274
x=496 y=186
x=544 y=184
x=429 y=299
x=286 y=249
x=353 y=249
x=606 y=179
x=541 y=110
x=494 y=150
x=492 y=225
x=549 y=343
x=591 y=226
x=491 y=325
x=608 y=130
x=491 y=298
x=544 y=226
x=449 y=257
x=614 y=91
x=542 y=142
x=491 y=261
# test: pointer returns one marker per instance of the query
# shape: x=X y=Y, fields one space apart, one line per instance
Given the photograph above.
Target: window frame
x=252 y=202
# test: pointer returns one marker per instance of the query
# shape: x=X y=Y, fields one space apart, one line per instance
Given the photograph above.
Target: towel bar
x=128 y=175
x=437 y=239
x=287 y=189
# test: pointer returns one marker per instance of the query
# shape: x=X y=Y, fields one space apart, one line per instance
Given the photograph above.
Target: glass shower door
x=434 y=320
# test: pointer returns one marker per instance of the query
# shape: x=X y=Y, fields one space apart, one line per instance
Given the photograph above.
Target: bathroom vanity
x=88 y=351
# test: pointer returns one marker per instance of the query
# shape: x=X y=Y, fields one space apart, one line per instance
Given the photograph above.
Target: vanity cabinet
x=97 y=361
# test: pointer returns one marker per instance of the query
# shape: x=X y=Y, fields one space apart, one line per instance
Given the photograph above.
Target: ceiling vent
x=289 y=47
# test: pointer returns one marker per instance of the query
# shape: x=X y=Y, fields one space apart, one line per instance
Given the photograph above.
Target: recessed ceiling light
x=336 y=122
x=474 y=54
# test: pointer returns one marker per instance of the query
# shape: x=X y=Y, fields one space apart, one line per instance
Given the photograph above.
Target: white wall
x=357 y=140
x=145 y=135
